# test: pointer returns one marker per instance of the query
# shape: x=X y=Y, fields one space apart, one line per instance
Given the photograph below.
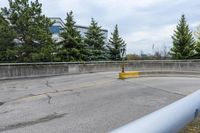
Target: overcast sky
x=142 y=23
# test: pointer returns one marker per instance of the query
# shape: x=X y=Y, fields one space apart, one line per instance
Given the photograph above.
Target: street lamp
x=122 y=51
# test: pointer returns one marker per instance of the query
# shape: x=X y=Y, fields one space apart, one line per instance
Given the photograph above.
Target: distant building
x=58 y=27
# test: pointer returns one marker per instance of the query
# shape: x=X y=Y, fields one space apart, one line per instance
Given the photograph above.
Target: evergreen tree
x=95 y=40
x=71 y=46
x=197 y=45
x=183 y=41
x=7 y=46
x=32 y=29
x=116 y=45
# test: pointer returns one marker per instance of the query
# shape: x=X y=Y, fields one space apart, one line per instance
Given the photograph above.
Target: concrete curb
x=169 y=73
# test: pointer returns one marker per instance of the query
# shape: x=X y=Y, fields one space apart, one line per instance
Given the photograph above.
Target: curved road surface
x=86 y=103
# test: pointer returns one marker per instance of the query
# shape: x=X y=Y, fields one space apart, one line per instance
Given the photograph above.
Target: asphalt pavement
x=85 y=103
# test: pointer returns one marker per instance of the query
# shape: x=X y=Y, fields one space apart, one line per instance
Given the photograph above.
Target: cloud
x=144 y=39
x=3 y=3
x=141 y=22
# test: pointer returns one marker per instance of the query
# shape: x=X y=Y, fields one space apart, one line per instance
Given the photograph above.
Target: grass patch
x=193 y=127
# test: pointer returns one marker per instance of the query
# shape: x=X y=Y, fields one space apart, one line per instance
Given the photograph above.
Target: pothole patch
x=1 y=103
x=33 y=122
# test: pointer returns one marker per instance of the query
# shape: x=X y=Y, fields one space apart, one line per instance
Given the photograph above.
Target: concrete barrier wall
x=23 y=70
x=163 y=65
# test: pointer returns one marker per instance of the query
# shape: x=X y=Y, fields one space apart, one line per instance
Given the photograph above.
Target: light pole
x=122 y=55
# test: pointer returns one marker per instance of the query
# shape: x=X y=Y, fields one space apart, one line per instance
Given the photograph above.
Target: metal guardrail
x=170 y=119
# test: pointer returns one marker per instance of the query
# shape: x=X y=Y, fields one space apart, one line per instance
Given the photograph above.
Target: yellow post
x=122 y=66
x=129 y=74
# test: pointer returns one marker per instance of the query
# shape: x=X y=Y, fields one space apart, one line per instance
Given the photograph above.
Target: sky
x=145 y=25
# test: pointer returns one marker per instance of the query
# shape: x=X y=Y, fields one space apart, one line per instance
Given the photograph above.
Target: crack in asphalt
x=30 y=123
x=49 y=98
x=4 y=112
x=46 y=93
x=145 y=85
x=165 y=91
x=35 y=95
x=48 y=85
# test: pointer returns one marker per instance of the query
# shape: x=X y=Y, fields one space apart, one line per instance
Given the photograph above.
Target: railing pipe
x=170 y=119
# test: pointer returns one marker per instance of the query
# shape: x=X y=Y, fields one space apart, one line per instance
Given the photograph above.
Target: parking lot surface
x=85 y=103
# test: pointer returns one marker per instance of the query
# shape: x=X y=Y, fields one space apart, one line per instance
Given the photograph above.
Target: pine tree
x=116 y=45
x=71 y=46
x=197 y=45
x=95 y=40
x=7 y=46
x=32 y=29
x=183 y=41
